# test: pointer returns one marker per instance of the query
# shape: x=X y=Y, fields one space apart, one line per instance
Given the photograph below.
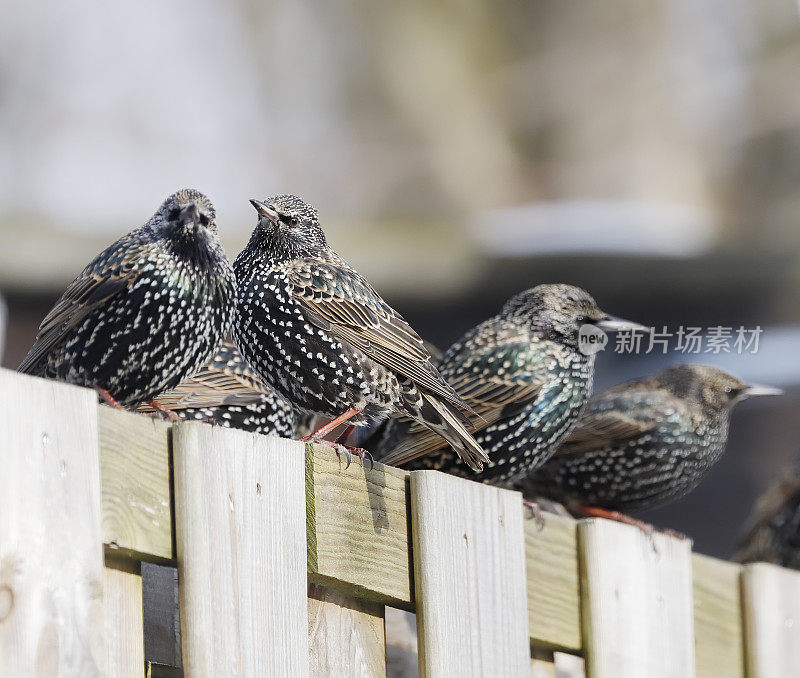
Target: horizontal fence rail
x=226 y=507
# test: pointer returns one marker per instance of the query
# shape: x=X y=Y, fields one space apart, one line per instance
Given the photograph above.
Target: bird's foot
x=536 y=513
x=349 y=452
x=318 y=436
x=168 y=414
x=619 y=517
x=106 y=397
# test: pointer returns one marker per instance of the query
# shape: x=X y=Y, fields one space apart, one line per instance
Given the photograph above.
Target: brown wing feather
x=107 y=275
x=336 y=298
x=490 y=395
x=225 y=380
x=597 y=430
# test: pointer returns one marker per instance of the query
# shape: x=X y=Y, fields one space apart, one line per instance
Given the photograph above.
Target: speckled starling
x=317 y=332
x=147 y=312
x=227 y=392
x=645 y=442
x=526 y=377
x=772 y=534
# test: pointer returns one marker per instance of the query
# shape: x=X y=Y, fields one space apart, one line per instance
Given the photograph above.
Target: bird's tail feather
x=451 y=425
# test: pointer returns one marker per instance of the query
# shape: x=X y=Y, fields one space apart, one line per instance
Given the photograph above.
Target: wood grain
x=551 y=560
x=771 y=596
x=637 y=602
x=718 y=632
x=345 y=635
x=134 y=465
x=357 y=525
x=469 y=573
x=51 y=554
x=124 y=633
x=241 y=548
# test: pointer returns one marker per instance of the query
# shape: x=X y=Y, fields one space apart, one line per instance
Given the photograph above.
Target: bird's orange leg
x=339 y=444
x=169 y=414
x=616 y=516
x=320 y=433
x=107 y=398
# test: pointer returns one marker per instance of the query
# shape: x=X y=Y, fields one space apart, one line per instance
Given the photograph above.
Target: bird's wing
x=496 y=380
x=608 y=420
x=112 y=271
x=336 y=298
x=758 y=540
x=225 y=380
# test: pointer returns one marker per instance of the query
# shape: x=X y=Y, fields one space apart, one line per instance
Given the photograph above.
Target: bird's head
x=288 y=226
x=711 y=387
x=559 y=311
x=185 y=217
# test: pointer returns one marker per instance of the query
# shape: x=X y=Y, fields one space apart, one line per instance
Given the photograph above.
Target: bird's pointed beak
x=613 y=324
x=760 y=390
x=190 y=213
x=264 y=210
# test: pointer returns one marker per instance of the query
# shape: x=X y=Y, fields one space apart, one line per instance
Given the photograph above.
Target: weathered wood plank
x=554 y=603
x=241 y=549
x=357 y=523
x=469 y=574
x=636 y=602
x=771 y=596
x=543 y=668
x=345 y=635
x=569 y=666
x=718 y=633
x=134 y=466
x=51 y=554
x=124 y=634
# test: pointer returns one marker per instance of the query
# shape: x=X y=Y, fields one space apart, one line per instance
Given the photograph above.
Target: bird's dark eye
x=173 y=214
x=203 y=220
x=289 y=220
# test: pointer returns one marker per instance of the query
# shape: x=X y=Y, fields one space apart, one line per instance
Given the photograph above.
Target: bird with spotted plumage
x=524 y=374
x=772 y=532
x=643 y=443
x=146 y=313
x=227 y=392
x=318 y=333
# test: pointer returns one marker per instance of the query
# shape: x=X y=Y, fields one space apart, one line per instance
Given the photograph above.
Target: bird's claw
x=536 y=513
x=349 y=452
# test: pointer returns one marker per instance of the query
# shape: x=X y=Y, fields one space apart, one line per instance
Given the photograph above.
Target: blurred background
x=458 y=152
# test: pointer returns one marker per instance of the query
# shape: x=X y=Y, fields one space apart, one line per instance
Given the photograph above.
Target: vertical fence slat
x=51 y=552
x=241 y=548
x=718 y=632
x=469 y=574
x=771 y=597
x=345 y=636
x=124 y=633
x=636 y=602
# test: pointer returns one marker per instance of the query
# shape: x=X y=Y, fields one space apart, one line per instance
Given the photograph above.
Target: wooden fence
x=287 y=561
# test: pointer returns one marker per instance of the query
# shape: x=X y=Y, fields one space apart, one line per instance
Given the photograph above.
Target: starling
x=319 y=334
x=227 y=392
x=772 y=534
x=147 y=312
x=645 y=442
x=525 y=375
